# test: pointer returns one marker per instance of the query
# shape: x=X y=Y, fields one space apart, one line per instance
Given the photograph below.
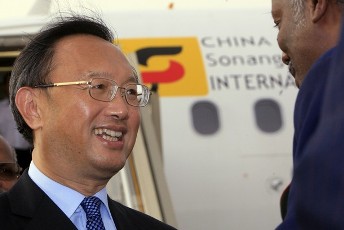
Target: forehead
x=78 y=55
x=89 y=75
x=277 y=7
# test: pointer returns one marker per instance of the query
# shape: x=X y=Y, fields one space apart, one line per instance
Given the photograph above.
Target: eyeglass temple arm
x=63 y=84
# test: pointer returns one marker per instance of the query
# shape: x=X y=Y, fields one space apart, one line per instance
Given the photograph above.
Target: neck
x=85 y=184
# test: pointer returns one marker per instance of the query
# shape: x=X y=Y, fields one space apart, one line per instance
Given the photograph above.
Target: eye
x=131 y=91
x=277 y=24
x=6 y=171
x=101 y=87
x=98 y=86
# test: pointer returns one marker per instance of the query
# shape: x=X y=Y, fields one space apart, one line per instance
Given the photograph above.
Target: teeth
x=108 y=138
x=108 y=134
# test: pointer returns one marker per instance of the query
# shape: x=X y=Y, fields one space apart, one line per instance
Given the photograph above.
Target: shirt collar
x=67 y=199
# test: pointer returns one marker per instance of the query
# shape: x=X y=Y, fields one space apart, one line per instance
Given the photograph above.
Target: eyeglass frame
x=15 y=174
x=89 y=86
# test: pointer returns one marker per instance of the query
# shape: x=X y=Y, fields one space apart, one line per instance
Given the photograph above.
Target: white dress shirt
x=68 y=200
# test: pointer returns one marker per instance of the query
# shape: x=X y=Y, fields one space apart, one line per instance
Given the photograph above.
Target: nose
x=118 y=107
x=285 y=58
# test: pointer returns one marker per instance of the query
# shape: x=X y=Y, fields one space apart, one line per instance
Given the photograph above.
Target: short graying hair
x=298 y=7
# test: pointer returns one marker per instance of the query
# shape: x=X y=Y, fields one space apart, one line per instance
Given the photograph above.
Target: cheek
x=80 y=109
x=85 y=110
x=134 y=120
x=8 y=184
x=74 y=116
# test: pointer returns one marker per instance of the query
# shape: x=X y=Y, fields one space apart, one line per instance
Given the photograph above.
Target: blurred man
x=9 y=169
x=8 y=127
x=308 y=31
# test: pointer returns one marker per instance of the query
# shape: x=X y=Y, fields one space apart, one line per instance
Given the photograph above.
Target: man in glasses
x=76 y=98
x=9 y=168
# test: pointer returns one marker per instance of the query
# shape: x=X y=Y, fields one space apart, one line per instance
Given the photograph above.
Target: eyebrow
x=87 y=76
x=90 y=74
x=275 y=13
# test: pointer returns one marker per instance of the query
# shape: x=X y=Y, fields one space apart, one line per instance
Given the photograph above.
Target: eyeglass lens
x=105 y=90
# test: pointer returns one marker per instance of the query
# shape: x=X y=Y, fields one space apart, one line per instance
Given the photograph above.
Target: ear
x=318 y=10
x=27 y=101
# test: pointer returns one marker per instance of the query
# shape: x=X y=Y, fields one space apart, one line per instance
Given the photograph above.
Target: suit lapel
x=33 y=209
x=119 y=216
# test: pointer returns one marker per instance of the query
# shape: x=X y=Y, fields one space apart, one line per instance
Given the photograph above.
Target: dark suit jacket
x=316 y=197
x=306 y=120
x=27 y=207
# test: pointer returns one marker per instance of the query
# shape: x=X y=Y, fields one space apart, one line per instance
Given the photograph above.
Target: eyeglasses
x=9 y=171
x=102 y=89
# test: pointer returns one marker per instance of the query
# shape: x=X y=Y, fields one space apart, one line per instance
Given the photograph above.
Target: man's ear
x=27 y=104
x=318 y=10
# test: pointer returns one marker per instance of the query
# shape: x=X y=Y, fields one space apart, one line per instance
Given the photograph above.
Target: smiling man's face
x=80 y=135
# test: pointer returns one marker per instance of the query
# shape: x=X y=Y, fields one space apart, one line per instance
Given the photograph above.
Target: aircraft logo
x=175 y=64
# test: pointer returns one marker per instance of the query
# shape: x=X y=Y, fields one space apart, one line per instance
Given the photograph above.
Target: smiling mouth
x=109 y=135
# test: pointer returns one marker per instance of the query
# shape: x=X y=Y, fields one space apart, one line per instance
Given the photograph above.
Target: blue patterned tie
x=91 y=205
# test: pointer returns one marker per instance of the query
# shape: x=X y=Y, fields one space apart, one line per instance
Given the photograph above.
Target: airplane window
x=205 y=117
x=268 y=115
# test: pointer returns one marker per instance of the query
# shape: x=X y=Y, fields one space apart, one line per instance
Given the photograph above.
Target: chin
x=297 y=82
x=114 y=167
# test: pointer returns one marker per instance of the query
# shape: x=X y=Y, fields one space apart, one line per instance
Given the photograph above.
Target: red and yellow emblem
x=175 y=64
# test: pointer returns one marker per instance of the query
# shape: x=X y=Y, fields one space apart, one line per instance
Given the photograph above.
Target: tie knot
x=91 y=206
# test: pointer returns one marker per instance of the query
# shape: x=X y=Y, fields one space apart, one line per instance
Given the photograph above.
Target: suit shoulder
x=4 y=204
x=5 y=212
x=140 y=220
